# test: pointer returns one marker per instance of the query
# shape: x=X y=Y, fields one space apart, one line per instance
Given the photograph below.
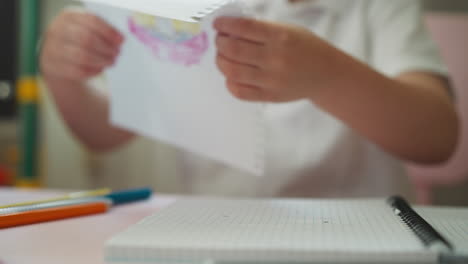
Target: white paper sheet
x=166 y=85
x=183 y=10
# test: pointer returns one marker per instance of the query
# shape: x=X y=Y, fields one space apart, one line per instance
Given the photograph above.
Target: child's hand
x=271 y=62
x=78 y=46
x=265 y=61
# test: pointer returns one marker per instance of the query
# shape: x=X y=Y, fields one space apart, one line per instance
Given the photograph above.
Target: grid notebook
x=284 y=231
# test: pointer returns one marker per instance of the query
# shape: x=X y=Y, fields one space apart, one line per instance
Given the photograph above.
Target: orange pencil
x=56 y=213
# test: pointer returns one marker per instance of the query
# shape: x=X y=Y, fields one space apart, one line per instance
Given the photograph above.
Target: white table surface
x=77 y=240
x=71 y=241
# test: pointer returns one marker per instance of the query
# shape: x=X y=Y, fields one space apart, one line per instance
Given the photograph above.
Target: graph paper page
x=270 y=231
x=451 y=223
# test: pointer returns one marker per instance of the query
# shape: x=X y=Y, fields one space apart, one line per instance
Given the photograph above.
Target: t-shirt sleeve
x=400 y=40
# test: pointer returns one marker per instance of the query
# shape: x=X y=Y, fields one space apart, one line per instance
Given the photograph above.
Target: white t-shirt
x=308 y=152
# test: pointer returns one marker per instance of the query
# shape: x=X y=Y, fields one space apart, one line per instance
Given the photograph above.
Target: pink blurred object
x=4 y=175
x=450 y=31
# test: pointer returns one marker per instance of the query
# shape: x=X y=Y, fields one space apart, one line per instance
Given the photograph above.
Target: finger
x=80 y=73
x=246 y=92
x=98 y=26
x=76 y=55
x=238 y=72
x=73 y=62
x=241 y=51
x=85 y=39
x=60 y=69
x=245 y=28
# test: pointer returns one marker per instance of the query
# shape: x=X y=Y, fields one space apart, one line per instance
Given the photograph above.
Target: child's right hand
x=78 y=46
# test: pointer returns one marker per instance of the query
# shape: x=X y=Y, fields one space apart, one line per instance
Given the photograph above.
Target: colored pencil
x=75 y=195
x=63 y=203
x=52 y=214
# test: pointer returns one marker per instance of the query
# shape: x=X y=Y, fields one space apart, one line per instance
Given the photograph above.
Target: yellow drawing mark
x=181 y=26
x=145 y=20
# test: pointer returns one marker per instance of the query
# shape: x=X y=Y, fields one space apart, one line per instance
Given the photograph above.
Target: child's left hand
x=265 y=61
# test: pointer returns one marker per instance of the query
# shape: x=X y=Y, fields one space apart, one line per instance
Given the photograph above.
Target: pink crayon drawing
x=183 y=48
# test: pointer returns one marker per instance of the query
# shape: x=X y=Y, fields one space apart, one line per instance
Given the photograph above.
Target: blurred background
x=37 y=150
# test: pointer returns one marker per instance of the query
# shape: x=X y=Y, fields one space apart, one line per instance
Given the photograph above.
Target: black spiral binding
x=209 y=10
x=423 y=230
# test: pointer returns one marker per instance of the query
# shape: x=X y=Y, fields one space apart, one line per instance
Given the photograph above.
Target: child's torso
x=308 y=152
